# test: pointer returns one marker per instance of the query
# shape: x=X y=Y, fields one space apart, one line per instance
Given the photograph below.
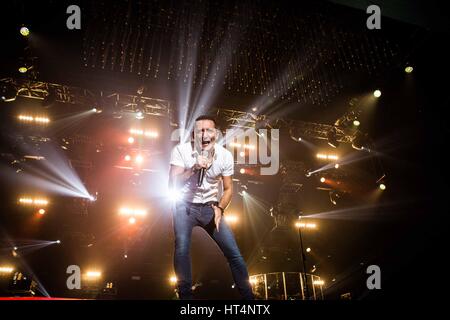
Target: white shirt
x=183 y=155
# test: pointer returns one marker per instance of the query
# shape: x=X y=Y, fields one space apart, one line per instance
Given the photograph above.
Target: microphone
x=201 y=175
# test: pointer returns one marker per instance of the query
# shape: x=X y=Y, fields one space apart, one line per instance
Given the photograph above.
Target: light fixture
x=377 y=93
x=139 y=114
x=24 y=31
x=360 y=141
x=8 y=92
x=334 y=197
x=409 y=69
x=173 y=279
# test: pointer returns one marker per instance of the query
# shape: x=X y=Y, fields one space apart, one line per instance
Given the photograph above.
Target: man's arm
x=227 y=192
x=224 y=201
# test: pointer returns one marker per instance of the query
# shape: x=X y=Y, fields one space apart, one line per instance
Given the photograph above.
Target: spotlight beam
x=359 y=213
x=59 y=176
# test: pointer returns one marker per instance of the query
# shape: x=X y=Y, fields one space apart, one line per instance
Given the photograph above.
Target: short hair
x=207 y=117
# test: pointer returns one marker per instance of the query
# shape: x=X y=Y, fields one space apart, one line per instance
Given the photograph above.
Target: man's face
x=204 y=134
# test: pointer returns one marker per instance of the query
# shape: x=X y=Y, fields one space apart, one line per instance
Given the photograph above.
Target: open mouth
x=205 y=143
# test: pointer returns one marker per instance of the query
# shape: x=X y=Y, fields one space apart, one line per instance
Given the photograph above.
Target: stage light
x=6 y=269
x=130 y=140
x=23 y=69
x=173 y=279
x=382 y=186
x=41 y=120
x=234 y=144
x=25 y=118
x=334 y=196
x=58 y=241
x=93 y=275
x=151 y=134
x=139 y=159
x=132 y=220
x=356 y=123
x=15 y=248
x=253 y=281
x=38 y=120
x=409 y=69
x=254 y=109
x=242 y=154
x=125 y=256
x=37 y=202
x=42 y=202
x=327 y=156
x=8 y=92
x=304 y=225
x=132 y=212
x=26 y=200
x=318 y=282
x=139 y=212
x=139 y=115
x=308 y=249
x=24 y=31
x=242 y=171
x=322 y=179
x=249 y=146
x=127 y=157
x=336 y=166
x=231 y=218
x=41 y=211
x=137 y=131
x=377 y=93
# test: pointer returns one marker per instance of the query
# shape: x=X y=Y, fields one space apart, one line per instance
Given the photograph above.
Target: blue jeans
x=185 y=218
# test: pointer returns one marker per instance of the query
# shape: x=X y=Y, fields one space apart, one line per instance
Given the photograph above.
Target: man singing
x=197 y=169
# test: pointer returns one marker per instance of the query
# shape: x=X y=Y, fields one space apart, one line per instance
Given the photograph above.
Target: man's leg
x=226 y=242
x=183 y=224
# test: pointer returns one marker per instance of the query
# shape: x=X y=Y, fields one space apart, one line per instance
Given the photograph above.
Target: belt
x=206 y=204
